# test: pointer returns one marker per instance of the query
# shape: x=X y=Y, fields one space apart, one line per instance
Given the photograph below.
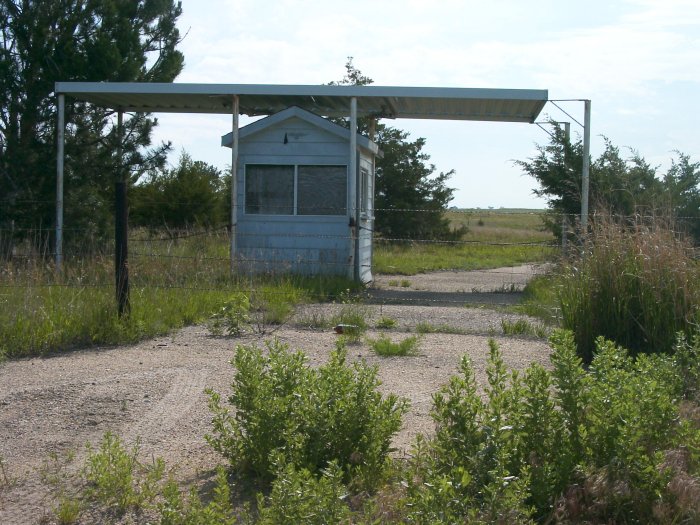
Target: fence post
x=121 y=229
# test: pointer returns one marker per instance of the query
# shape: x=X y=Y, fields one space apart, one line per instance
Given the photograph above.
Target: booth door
x=366 y=226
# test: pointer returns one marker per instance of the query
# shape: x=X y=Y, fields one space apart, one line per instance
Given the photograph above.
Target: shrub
x=470 y=475
x=637 y=285
x=569 y=445
x=307 y=416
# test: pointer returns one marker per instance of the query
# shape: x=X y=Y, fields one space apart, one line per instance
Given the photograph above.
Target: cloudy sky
x=637 y=60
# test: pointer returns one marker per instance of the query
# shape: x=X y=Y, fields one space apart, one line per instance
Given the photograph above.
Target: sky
x=638 y=61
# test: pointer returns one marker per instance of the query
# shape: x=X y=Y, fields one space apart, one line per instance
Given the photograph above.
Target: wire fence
x=489 y=263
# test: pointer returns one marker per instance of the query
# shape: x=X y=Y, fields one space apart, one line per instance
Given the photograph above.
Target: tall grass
x=174 y=282
x=636 y=284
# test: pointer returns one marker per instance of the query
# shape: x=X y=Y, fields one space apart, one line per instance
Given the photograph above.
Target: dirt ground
x=153 y=391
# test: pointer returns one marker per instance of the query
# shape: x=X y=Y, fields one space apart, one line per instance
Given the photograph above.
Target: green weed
x=353 y=315
x=315 y=320
x=68 y=510
x=424 y=327
x=177 y=509
x=117 y=479
x=385 y=322
x=5 y=478
x=385 y=347
x=523 y=327
x=540 y=299
x=232 y=317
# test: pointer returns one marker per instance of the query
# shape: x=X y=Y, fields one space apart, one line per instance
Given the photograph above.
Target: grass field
x=494 y=238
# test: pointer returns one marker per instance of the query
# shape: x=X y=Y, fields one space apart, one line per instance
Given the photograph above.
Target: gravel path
x=153 y=391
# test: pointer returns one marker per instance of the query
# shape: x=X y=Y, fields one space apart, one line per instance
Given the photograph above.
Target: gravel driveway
x=153 y=391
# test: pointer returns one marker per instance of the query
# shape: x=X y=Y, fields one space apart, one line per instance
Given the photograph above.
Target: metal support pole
x=586 y=167
x=60 y=139
x=565 y=219
x=234 y=181
x=354 y=191
x=121 y=228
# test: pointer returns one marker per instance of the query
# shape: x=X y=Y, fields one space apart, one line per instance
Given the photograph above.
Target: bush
x=636 y=285
x=307 y=416
x=566 y=445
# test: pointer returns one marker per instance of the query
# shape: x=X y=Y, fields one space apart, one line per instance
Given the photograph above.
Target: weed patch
x=385 y=347
x=424 y=327
x=386 y=322
x=117 y=479
x=523 y=327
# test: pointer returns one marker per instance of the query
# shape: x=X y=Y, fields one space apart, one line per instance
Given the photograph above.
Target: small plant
x=68 y=510
x=405 y=283
x=54 y=473
x=523 y=327
x=314 y=319
x=385 y=347
x=176 y=509
x=233 y=317
x=352 y=314
x=116 y=477
x=393 y=282
x=5 y=478
x=424 y=327
x=273 y=305
x=385 y=322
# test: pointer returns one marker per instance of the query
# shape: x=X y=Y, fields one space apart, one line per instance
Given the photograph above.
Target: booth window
x=295 y=190
x=269 y=189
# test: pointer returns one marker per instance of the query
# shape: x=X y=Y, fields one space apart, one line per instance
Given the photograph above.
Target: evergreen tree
x=190 y=194
x=409 y=199
x=76 y=40
x=616 y=185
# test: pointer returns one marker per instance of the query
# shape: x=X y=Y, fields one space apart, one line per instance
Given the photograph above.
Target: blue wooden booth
x=297 y=202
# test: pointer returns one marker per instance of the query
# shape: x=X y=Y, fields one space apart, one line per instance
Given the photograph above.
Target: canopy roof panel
x=500 y=105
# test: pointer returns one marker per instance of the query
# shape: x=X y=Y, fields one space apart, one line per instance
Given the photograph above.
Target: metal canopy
x=499 y=105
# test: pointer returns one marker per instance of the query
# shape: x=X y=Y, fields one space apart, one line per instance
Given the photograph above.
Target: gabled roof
x=313 y=119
